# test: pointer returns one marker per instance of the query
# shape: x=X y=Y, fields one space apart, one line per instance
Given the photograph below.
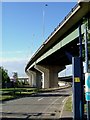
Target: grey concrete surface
x=41 y=106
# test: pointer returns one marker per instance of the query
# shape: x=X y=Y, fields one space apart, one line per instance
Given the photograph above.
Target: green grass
x=68 y=105
x=6 y=97
x=9 y=93
x=24 y=93
x=85 y=107
x=11 y=89
x=16 y=95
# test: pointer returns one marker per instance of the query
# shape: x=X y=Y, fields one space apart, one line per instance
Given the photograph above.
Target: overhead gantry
x=58 y=50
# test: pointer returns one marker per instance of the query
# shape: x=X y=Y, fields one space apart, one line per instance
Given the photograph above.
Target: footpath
x=68 y=115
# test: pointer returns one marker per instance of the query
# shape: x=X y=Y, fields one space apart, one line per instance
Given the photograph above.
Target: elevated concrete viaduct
x=59 y=48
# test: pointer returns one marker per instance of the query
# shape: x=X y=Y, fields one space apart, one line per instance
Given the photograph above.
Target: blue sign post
x=77 y=89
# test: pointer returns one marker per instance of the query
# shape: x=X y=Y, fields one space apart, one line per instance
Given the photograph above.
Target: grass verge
x=9 y=93
x=13 y=93
x=5 y=97
x=68 y=105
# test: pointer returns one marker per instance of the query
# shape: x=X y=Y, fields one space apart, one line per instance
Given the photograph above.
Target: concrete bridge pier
x=30 y=78
x=53 y=71
x=49 y=75
x=45 y=75
x=38 y=79
x=35 y=78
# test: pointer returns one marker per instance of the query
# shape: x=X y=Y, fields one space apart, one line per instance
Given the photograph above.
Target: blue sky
x=23 y=25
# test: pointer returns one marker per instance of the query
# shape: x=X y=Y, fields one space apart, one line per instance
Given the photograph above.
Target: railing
x=62 y=21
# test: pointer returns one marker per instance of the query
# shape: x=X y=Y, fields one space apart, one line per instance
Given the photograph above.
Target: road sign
x=87 y=86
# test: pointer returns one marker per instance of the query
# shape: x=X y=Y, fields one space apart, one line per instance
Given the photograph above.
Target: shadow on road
x=66 y=118
x=33 y=116
x=50 y=95
x=36 y=119
x=36 y=95
x=42 y=94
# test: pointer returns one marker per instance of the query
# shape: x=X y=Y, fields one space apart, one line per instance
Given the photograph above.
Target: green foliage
x=68 y=105
x=15 y=76
x=86 y=22
x=4 y=78
x=9 y=93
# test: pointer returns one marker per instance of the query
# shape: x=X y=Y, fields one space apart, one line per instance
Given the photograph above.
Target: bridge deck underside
x=63 y=56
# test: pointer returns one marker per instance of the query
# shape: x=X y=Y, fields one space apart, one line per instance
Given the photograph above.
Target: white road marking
x=63 y=106
x=51 y=104
x=63 y=100
x=40 y=99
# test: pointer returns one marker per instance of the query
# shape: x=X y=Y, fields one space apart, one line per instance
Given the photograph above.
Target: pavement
x=69 y=116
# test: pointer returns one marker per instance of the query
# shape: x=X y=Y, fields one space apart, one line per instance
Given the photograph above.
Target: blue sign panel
x=87 y=96
x=87 y=86
x=88 y=82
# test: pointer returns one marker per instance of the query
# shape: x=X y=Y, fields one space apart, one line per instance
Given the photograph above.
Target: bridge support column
x=35 y=78
x=53 y=78
x=30 y=80
x=49 y=75
x=38 y=79
x=32 y=76
x=45 y=75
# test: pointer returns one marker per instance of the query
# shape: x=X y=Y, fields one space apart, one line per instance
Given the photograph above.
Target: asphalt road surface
x=41 y=106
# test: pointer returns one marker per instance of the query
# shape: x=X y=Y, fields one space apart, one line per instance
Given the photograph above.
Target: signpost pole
x=81 y=75
x=78 y=93
x=77 y=86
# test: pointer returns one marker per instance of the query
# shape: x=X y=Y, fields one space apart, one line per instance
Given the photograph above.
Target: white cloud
x=17 y=56
x=11 y=52
x=14 y=59
x=14 y=65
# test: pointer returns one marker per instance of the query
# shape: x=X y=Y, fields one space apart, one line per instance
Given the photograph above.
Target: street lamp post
x=44 y=21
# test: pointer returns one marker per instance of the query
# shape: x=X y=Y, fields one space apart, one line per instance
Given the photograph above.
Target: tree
x=15 y=78
x=4 y=78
